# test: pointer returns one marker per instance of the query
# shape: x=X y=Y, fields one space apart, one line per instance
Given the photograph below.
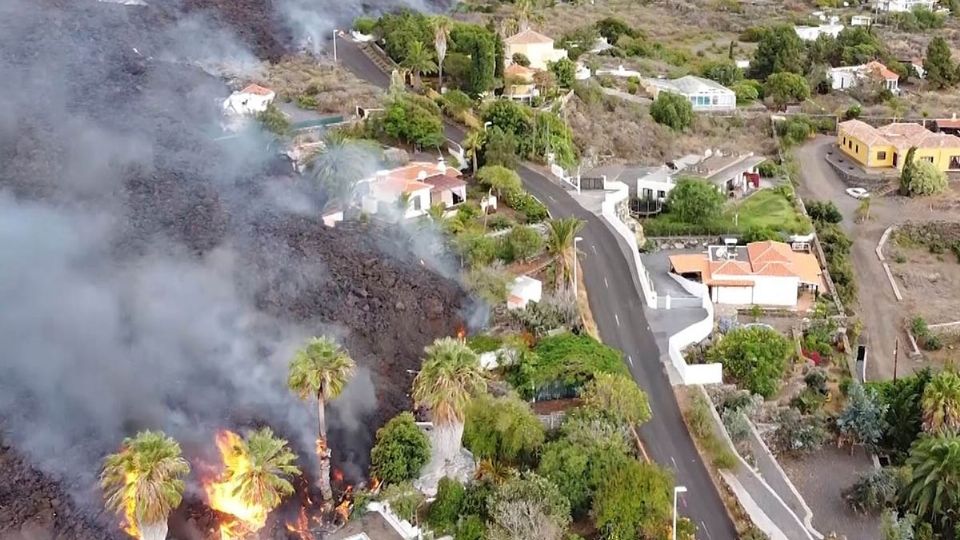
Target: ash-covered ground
x=153 y=276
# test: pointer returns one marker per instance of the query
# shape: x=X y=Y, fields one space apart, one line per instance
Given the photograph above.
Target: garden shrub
x=563 y=362
x=756 y=357
x=482 y=343
x=533 y=210
x=447 y=507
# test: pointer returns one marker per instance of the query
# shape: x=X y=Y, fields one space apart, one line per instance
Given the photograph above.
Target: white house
x=524 y=290
x=247 y=102
x=734 y=175
x=861 y=20
x=379 y=522
x=763 y=273
x=811 y=33
x=417 y=181
x=537 y=47
x=903 y=5
x=844 y=77
x=704 y=94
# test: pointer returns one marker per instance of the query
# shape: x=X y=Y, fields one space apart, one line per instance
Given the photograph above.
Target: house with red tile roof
x=251 y=100
x=763 y=273
x=537 y=47
x=412 y=189
x=845 y=77
x=887 y=146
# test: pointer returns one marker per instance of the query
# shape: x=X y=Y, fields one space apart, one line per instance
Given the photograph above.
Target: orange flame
x=375 y=485
x=343 y=510
x=222 y=492
x=461 y=332
x=302 y=526
x=337 y=475
x=130 y=505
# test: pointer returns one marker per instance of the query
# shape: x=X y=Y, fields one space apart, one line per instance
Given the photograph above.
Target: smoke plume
x=126 y=301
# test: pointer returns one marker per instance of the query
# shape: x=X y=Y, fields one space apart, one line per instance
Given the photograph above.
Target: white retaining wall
x=608 y=209
x=695 y=333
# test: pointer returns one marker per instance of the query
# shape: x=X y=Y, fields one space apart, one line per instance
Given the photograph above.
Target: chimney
x=442 y=165
x=422 y=175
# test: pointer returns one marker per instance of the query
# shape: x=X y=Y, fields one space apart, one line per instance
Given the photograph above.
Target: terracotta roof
x=866 y=133
x=421 y=169
x=441 y=182
x=394 y=186
x=516 y=70
x=774 y=259
x=527 y=37
x=879 y=70
x=951 y=123
x=257 y=89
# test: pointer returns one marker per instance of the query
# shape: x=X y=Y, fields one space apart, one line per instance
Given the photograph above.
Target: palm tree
x=449 y=377
x=560 y=235
x=941 y=403
x=932 y=490
x=144 y=480
x=523 y=12
x=474 y=144
x=341 y=164
x=321 y=369
x=263 y=481
x=418 y=60
x=436 y=213
x=441 y=30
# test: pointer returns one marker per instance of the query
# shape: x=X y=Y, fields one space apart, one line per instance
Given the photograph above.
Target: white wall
x=732 y=295
x=775 y=291
x=654 y=186
x=695 y=333
x=423 y=196
x=726 y=100
x=842 y=79
x=616 y=193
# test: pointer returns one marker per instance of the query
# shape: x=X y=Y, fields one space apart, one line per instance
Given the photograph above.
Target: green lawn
x=769 y=208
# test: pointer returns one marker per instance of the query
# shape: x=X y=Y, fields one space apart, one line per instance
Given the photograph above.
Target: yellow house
x=887 y=146
x=537 y=47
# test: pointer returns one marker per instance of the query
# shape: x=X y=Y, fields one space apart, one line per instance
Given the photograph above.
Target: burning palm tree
x=449 y=377
x=321 y=369
x=144 y=480
x=255 y=479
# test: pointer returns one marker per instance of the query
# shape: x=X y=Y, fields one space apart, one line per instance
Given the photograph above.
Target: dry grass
x=616 y=130
x=338 y=90
x=583 y=306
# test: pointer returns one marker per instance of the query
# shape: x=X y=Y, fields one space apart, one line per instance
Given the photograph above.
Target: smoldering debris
x=151 y=277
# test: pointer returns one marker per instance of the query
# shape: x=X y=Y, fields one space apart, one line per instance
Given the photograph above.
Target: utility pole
x=896 y=356
x=334 y=45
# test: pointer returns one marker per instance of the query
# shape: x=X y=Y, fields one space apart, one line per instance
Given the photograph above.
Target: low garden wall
x=608 y=209
x=695 y=333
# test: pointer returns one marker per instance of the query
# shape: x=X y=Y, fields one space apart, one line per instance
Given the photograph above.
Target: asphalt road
x=618 y=310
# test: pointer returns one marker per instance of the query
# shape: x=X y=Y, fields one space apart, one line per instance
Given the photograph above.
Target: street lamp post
x=334 y=45
x=575 y=240
x=676 y=490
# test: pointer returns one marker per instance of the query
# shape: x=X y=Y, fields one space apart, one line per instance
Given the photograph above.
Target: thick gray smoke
x=110 y=321
x=313 y=21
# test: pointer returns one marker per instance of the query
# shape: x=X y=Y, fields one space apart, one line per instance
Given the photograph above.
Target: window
x=714 y=100
x=647 y=193
x=954 y=162
x=858 y=149
x=661 y=194
x=881 y=155
x=416 y=204
x=850 y=145
x=928 y=159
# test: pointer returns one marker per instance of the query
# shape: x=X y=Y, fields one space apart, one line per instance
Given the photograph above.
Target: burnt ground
x=365 y=282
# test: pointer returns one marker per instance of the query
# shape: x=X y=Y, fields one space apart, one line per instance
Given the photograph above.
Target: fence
x=591 y=182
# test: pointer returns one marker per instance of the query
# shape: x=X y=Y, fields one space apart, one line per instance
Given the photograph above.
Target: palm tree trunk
x=323 y=451
x=474 y=162
x=447 y=438
x=153 y=531
x=440 y=76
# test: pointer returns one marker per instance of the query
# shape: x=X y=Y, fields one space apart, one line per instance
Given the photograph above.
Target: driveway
x=882 y=315
x=618 y=310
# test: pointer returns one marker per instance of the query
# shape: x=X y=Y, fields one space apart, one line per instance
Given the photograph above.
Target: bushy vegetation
x=921 y=177
x=756 y=357
x=672 y=110
x=562 y=364
x=411 y=119
x=503 y=429
x=401 y=450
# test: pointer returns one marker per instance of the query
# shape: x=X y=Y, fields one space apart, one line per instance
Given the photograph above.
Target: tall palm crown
x=941 y=403
x=145 y=478
x=441 y=30
x=268 y=464
x=932 y=491
x=320 y=369
x=560 y=236
x=473 y=145
x=418 y=60
x=449 y=377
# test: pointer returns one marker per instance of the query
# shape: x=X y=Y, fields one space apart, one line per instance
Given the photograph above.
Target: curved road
x=618 y=310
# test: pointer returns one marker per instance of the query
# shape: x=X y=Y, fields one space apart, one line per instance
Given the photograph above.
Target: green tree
x=619 y=398
x=499 y=178
x=321 y=370
x=504 y=429
x=779 y=49
x=932 y=489
x=785 y=87
x=747 y=91
x=404 y=500
x=418 y=60
x=697 y=201
x=904 y=414
x=261 y=469
x=447 y=508
x=724 y=72
x=398 y=30
x=941 y=71
x=756 y=357
x=520 y=59
x=501 y=149
x=441 y=32
x=565 y=71
x=560 y=238
x=672 y=110
x=634 y=501
x=862 y=420
x=413 y=119
x=612 y=28
x=510 y=116
x=401 y=450
x=526 y=507
x=144 y=482
x=941 y=404
x=921 y=177
x=525 y=242
x=341 y=164
x=274 y=120
x=473 y=146
x=449 y=377
x=480 y=46
x=893 y=527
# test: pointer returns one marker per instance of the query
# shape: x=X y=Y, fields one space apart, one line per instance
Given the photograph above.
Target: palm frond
x=450 y=376
x=320 y=368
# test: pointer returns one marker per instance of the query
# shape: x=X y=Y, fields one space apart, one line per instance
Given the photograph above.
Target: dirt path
x=882 y=316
